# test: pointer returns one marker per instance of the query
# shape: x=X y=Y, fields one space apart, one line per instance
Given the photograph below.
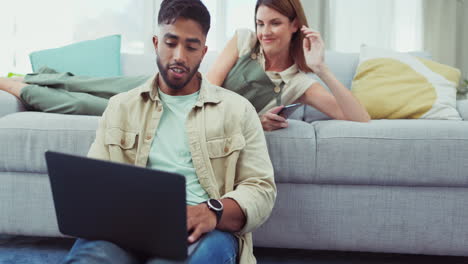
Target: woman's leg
x=99 y=252
x=52 y=100
x=104 y=87
x=17 y=79
x=215 y=247
x=12 y=86
x=65 y=93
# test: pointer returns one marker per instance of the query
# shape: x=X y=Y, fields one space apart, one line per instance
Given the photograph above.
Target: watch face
x=215 y=204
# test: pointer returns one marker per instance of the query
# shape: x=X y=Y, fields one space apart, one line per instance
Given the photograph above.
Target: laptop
x=136 y=208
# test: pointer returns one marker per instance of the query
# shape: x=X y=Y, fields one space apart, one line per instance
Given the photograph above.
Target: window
x=393 y=24
x=226 y=17
x=53 y=23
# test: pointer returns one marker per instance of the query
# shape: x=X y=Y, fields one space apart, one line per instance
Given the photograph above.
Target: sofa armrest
x=10 y=104
x=462 y=107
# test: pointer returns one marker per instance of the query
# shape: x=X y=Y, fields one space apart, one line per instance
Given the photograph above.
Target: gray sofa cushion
x=462 y=107
x=416 y=220
x=392 y=152
x=292 y=152
x=25 y=137
x=10 y=104
x=343 y=66
x=311 y=114
x=26 y=205
x=395 y=152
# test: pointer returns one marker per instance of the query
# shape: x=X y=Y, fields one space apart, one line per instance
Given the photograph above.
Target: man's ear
x=155 y=42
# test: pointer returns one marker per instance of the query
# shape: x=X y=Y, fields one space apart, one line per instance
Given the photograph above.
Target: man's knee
x=97 y=252
x=218 y=245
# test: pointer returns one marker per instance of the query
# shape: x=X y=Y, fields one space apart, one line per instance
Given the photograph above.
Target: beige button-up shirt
x=226 y=141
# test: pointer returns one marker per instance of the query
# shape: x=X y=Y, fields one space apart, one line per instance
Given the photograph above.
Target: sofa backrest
x=343 y=65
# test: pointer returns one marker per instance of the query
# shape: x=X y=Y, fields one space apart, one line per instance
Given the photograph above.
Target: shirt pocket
x=224 y=154
x=122 y=144
x=224 y=147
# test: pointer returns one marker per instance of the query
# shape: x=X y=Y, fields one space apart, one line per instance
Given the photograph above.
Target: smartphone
x=288 y=110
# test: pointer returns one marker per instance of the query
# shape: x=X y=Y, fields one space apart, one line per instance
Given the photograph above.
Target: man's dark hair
x=171 y=10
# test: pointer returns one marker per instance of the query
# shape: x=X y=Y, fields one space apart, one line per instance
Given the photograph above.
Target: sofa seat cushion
x=25 y=136
x=392 y=152
x=292 y=152
x=10 y=104
x=462 y=108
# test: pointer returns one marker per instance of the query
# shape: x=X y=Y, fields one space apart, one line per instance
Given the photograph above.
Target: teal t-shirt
x=170 y=150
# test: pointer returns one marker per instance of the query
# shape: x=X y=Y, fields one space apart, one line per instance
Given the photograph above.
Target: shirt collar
x=287 y=75
x=208 y=92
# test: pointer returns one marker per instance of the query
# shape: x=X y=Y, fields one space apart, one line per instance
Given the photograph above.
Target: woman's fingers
x=309 y=30
x=312 y=35
x=275 y=117
x=306 y=44
x=313 y=39
x=272 y=121
x=274 y=126
x=275 y=121
x=308 y=33
x=276 y=109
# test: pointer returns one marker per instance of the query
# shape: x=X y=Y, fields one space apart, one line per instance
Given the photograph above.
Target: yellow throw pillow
x=394 y=85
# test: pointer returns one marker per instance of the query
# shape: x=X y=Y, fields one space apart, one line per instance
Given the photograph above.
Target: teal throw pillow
x=96 y=58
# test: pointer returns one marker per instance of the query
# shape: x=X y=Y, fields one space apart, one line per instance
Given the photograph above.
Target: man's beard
x=176 y=86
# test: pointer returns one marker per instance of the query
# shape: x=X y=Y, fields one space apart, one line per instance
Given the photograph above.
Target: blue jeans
x=216 y=247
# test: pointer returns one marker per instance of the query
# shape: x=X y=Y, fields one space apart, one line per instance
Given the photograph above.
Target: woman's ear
x=295 y=26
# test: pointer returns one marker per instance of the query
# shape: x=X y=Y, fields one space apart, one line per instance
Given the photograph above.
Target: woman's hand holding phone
x=272 y=121
x=287 y=110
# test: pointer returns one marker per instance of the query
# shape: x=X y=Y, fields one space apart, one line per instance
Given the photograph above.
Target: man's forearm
x=233 y=219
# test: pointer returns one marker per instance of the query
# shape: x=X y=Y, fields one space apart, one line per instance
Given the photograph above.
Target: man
x=179 y=122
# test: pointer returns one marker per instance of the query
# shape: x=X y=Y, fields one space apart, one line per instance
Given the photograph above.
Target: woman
x=269 y=67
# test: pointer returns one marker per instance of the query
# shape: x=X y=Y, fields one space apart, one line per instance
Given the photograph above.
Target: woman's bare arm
x=341 y=104
x=224 y=63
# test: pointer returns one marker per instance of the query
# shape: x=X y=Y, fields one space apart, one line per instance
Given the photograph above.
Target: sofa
x=395 y=186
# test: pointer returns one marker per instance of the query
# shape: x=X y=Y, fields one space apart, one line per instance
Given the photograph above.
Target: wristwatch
x=217 y=207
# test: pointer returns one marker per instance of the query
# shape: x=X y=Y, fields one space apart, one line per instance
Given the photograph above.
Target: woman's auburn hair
x=293 y=10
